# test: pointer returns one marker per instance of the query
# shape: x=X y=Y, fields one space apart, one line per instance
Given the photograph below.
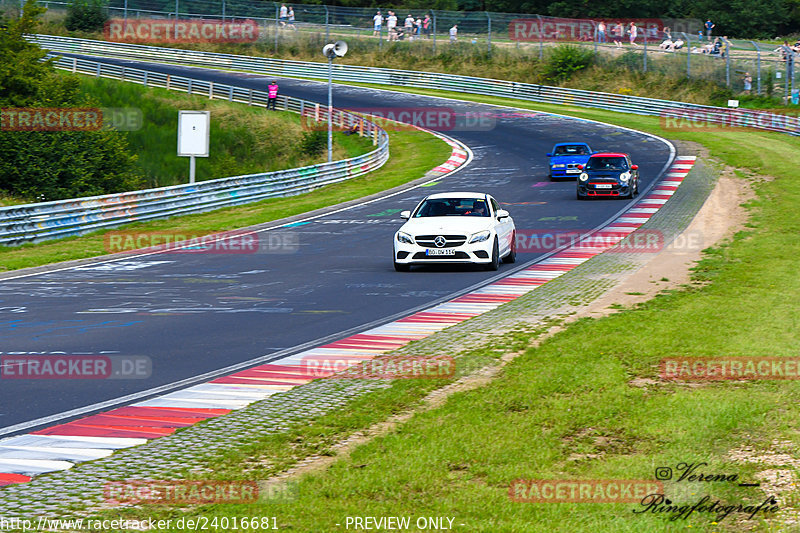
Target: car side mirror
x=502 y=213
x=634 y=167
x=405 y=215
x=549 y=154
x=580 y=167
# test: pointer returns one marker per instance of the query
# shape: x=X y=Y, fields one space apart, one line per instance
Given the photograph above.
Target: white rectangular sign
x=194 y=129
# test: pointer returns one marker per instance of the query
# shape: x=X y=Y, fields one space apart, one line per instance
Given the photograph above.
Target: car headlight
x=404 y=238
x=584 y=176
x=480 y=237
x=559 y=166
x=624 y=177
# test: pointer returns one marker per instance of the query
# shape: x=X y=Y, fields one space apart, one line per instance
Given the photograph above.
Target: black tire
x=512 y=255
x=636 y=190
x=578 y=196
x=495 y=264
x=400 y=267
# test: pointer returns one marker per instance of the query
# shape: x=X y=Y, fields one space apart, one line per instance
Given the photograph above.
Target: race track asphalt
x=193 y=313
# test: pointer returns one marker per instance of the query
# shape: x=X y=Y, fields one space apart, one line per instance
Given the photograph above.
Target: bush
x=54 y=165
x=85 y=15
x=314 y=142
x=564 y=61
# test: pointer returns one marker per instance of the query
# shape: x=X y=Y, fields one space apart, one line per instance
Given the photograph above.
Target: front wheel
x=512 y=255
x=401 y=267
x=495 y=264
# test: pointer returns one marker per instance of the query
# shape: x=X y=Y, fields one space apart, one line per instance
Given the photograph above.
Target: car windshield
x=450 y=207
x=571 y=149
x=607 y=163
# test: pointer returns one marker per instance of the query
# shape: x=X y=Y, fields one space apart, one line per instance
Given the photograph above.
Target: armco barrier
x=428 y=80
x=47 y=220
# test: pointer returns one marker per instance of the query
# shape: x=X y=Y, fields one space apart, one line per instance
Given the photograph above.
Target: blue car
x=565 y=158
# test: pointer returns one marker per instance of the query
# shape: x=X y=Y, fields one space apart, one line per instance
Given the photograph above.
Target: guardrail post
x=144 y=81
x=302 y=108
x=375 y=137
x=189 y=87
x=211 y=90
x=316 y=112
x=250 y=97
x=230 y=93
x=688 y=56
x=434 y=30
x=97 y=74
x=123 y=73
x=74 y=65
x=758 y=66
x=644 y=64
x=541 y=37
x=286 y=103
x=327 y=25
x=727 y=62
x=489 y=37
x=168 y=78
x=223 y=10
x=277 y=17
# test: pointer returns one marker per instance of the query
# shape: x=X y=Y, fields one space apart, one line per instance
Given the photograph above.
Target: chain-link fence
x=676 y=47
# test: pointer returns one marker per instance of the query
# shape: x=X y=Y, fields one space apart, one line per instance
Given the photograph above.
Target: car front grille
x=452 y=241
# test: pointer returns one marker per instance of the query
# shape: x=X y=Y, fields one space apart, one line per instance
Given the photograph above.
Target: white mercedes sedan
x=455 y=227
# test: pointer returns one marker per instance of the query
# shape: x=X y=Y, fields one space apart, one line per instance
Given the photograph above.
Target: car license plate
x=572 y=171
x=440 y=251
x=602 y=186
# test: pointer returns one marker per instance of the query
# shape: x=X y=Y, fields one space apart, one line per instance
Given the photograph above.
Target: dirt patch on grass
x=721 y=216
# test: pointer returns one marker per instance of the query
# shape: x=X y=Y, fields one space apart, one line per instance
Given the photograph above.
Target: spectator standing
x=272 y=95
x=709 y=26
x=748 y=82
x=291 y=18
x=601 y=32
x=391 y=24
x=418 y=28
x=618 y=32
x=377 y=22
x=633 y=31
x=454 y=33
x=426 y=26
x=283 y=14
x=667 y=33
x=409 y=27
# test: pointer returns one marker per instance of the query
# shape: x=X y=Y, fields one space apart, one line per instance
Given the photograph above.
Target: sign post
x=194 y=128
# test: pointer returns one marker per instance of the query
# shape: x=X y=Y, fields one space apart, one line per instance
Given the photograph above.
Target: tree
x=53 y=164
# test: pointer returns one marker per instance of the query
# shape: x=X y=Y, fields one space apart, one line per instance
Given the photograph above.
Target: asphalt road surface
x=192 y=313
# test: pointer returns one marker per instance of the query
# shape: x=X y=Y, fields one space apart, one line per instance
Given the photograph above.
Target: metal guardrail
x=47 y=220
x=668 y=109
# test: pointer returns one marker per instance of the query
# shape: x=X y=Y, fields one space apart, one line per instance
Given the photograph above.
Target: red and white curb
x=61 y=447
x=457 y=157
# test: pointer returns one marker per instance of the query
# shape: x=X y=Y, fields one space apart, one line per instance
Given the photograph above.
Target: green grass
x=413 y=153
x=243 y=139
x=570 y=408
